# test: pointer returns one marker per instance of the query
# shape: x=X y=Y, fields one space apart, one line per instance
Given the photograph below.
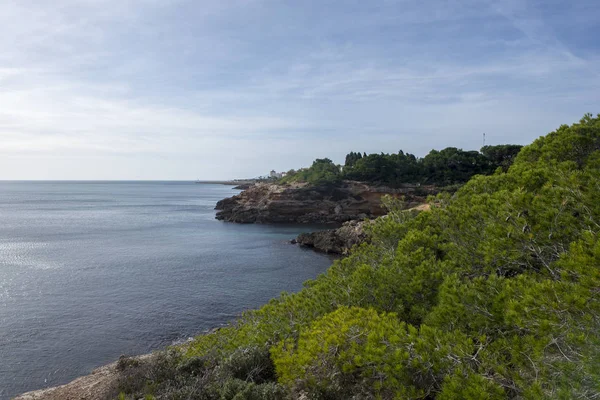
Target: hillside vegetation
x=446 y=167
x=493 y=294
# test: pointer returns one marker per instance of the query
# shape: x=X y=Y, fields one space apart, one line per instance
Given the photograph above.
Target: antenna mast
x=484 y=139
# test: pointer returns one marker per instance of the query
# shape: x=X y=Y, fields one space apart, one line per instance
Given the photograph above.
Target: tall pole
x=484 y=139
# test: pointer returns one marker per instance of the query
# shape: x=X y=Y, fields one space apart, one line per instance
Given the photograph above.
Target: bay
x=93 y=270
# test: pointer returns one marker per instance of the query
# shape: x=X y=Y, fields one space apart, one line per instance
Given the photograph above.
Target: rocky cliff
x=301 y=203
x=336 y=241
x=342 y=239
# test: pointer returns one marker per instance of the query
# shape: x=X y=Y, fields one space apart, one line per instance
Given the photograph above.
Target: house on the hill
x=277 y=175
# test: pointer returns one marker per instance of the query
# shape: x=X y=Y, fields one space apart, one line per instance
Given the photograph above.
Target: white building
x=275 y=174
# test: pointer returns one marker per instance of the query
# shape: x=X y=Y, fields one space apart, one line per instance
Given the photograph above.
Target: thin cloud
x=184 y=89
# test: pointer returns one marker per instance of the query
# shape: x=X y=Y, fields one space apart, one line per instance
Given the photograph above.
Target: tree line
x=445 y=167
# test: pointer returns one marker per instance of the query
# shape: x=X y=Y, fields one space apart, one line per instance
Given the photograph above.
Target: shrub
x=492 y=294
x=359 y=352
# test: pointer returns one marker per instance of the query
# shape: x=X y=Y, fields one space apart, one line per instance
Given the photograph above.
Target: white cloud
x=169 y=89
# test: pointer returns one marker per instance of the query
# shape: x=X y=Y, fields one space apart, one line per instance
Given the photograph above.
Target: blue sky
x=158 y=89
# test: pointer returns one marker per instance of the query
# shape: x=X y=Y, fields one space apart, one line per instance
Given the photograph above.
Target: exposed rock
x=101 y=384
x=301 y=203
x=337 y=241
x=243 y=186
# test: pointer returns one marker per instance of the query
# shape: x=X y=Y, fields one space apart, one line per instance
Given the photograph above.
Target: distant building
x=277 y=175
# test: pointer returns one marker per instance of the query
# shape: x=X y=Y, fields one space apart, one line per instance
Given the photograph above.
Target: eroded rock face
x=336 y=241
x=299 y=203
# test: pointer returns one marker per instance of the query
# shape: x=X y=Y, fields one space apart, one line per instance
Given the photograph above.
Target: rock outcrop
x=101 y=384
x=301 y=203
x=336 y=241
x=243 y=186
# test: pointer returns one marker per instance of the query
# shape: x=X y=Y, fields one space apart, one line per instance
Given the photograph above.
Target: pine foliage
x=493 y=294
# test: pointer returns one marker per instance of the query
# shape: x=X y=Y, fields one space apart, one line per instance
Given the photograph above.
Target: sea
x=93 y=270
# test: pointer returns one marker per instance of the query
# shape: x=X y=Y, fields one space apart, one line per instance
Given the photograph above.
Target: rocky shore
x=352 y=204
x=342 y=239
x=334 y=241
x=301 y=203
x=101 y=384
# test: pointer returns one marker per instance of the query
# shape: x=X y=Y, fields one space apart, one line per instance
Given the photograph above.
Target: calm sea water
x=93 y=270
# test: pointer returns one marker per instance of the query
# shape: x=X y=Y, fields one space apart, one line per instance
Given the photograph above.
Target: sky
x=178 y=90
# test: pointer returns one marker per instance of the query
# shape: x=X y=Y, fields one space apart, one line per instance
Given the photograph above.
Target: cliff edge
x=334 y=241
x=302 y=203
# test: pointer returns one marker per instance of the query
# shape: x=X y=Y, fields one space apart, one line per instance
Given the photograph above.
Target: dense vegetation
x=493 y=294
x=322 y=171
x=446 y=167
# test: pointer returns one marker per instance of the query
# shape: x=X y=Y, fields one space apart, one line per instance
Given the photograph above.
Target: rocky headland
x=303 y=203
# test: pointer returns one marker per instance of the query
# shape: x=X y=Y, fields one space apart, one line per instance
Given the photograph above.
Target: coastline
x=102 y=381
x=302 y=203
x=226 y=182
x=95 y=385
